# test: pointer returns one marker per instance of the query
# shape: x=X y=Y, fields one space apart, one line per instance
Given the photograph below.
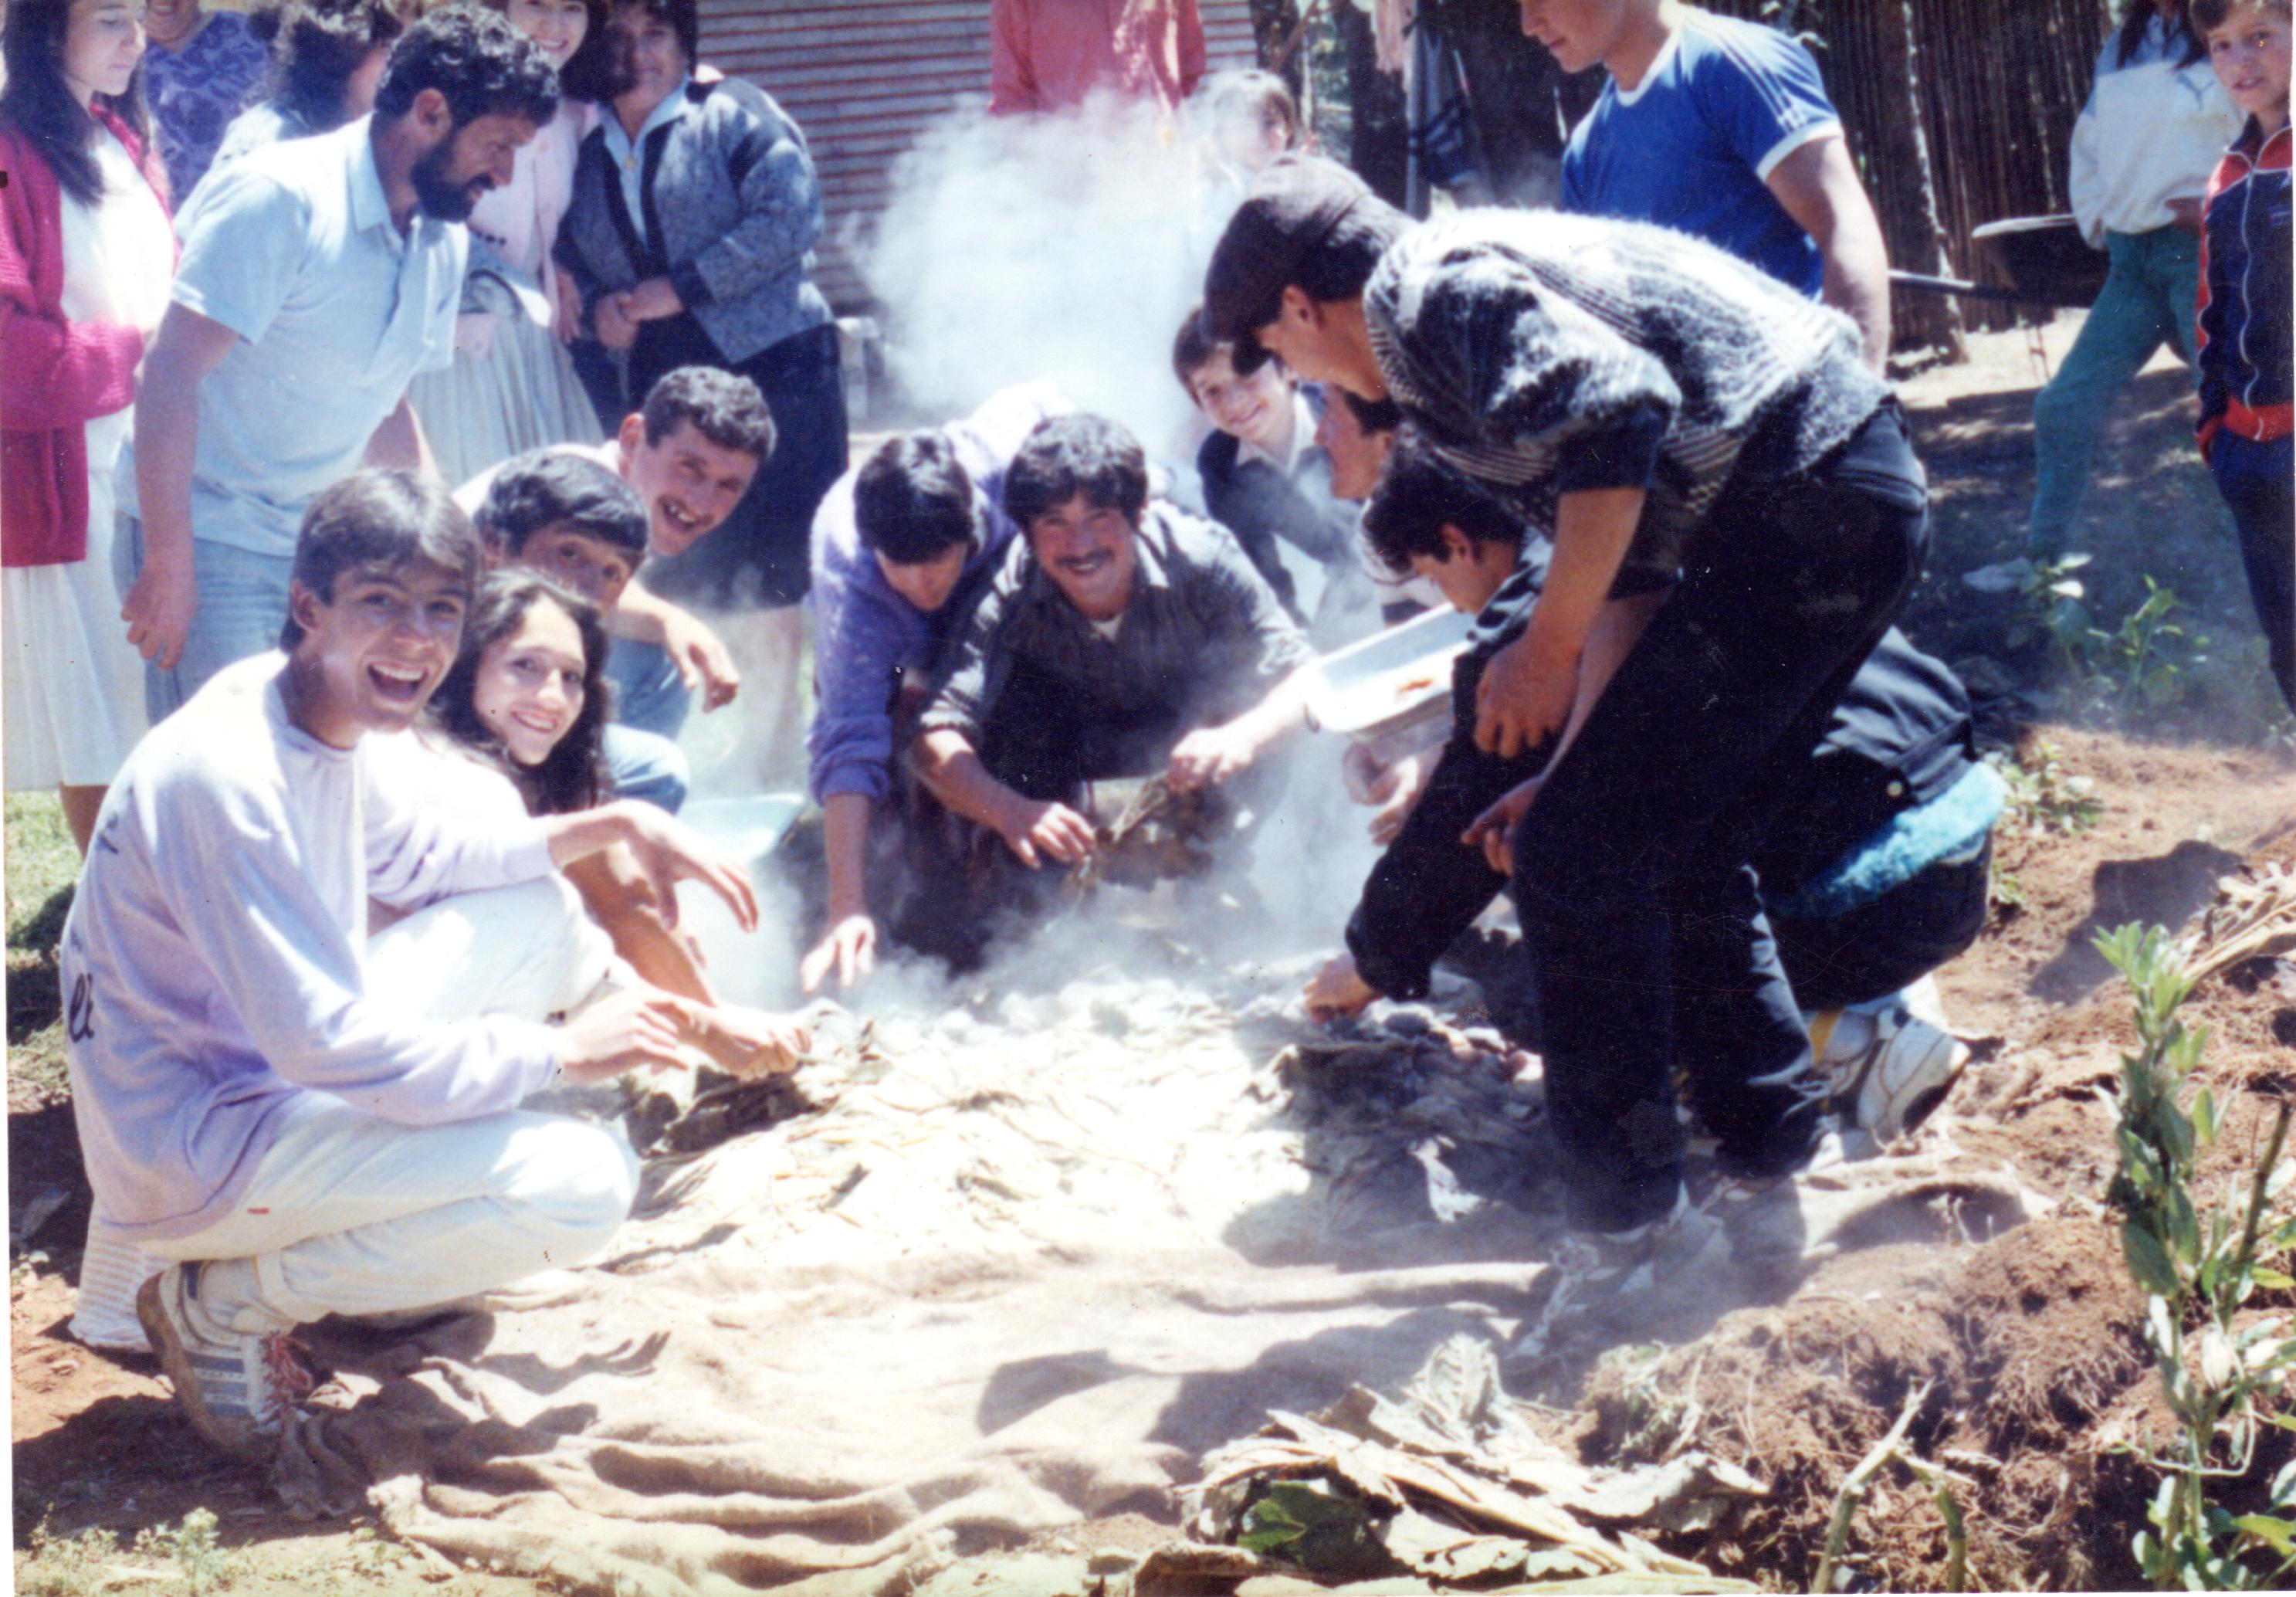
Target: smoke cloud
x=1065 y=247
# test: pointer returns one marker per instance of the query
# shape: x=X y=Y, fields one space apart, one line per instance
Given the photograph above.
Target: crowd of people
x=356 y=526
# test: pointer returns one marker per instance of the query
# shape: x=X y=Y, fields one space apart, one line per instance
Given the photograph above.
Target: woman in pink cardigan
x=86 y=255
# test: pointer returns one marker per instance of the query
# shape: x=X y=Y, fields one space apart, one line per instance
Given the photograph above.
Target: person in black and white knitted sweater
x=1735 y=516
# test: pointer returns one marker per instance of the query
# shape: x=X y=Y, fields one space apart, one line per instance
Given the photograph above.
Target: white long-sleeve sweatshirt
x=211 y=964
x=2150 y=134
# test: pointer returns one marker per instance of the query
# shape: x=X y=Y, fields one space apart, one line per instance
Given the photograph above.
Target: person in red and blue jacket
x=2246 y=315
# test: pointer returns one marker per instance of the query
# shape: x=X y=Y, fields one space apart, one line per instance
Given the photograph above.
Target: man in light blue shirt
x=317 y=278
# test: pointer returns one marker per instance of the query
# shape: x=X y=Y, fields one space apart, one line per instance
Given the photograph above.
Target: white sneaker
x=236 y=1390
x=2003 y=576
x=1888 y=1067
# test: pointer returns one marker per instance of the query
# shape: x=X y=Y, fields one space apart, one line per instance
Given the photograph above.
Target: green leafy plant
x=67 y=1566
x=2044 y=798
x=2222 y=1370
x=2147 y=661
x=2052 y=609
x=192 y=1548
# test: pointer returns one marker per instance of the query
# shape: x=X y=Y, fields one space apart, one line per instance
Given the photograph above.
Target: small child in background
x=2245 y=314
x=1248 y=119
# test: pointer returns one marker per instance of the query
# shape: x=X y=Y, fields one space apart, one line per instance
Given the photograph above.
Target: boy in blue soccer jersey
x=1723 y=130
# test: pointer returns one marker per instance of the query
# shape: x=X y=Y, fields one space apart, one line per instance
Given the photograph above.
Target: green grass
x=42 y=864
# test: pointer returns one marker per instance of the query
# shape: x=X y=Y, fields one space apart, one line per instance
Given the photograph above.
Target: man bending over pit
x=300 y=1140
x=1874 y=874
x=901 y=545
x=1121 y=638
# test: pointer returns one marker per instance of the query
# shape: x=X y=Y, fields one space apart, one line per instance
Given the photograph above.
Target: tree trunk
x=1898 y=155
x=1379 y=145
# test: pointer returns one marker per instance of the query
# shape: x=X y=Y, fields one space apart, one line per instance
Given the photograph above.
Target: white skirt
x=519 y=394
x=71 y=686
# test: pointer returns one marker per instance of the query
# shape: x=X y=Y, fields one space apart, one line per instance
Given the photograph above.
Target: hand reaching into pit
x=848 y=948
x=1037 y=831
x=1210 y=756
x=747 y=1042
x=1336 y=992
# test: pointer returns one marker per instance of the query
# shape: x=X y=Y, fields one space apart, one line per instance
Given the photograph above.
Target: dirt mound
x=2042 y=1397
x=2025 y=1347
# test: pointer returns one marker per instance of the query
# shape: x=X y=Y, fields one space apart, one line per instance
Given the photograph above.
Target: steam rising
x=1065 y=246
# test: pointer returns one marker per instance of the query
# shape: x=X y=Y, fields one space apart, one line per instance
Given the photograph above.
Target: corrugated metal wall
x=863 y=77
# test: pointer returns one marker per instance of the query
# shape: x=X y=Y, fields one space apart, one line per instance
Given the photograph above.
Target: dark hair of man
x=1071 y=455
x=2137 y=15
x=481 y=64
x=573 y=775
x=317 y=46
x=546 y=488
x=39 y=104
x=384 y=521
x=1337 y=269
x=1373 y=415
x=1192 y=351
x=725 y=408
x=2208 y=15
x=1417 y=497
x=912 y=499
x=685 y=20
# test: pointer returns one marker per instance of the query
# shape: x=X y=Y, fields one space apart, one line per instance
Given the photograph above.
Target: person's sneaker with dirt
x=1589 y=1265
x=237 y=1389
x=1887 y=1068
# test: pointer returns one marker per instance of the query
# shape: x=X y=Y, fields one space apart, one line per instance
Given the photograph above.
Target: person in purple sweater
x=898 y=546
x=264 y=1099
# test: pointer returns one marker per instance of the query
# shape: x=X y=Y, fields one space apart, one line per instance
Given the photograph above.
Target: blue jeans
x=243 y=605
x=2259 y=482
x=643 y=766
x=2150 y=297
x=649 y=694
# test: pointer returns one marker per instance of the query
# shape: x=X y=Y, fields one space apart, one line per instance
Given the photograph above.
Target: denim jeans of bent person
x=1639 y=908
x=2150 y=296
x=243 y=605
x=648 y=692
x=2259 y=482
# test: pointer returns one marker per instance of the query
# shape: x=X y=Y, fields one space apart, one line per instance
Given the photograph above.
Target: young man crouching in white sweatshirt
x=295 y=1140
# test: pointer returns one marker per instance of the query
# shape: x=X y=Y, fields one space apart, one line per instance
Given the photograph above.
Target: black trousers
x=1639 y=910
x=759 y=555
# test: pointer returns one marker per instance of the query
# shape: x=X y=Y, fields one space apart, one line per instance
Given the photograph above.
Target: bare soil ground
x=2031 y=1341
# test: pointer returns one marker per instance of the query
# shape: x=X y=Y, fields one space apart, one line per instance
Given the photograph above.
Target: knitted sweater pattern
x=1515 y=340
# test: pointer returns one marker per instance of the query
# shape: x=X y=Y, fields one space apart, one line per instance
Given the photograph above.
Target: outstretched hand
x=1037 y=831
x=702 y=658
x=848 y=948
x=1337 y=991
x=637 y=1028
x=670 y=852
x=1210 y=756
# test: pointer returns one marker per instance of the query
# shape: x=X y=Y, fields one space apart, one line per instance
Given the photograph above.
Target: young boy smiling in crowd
x=2245 y=314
